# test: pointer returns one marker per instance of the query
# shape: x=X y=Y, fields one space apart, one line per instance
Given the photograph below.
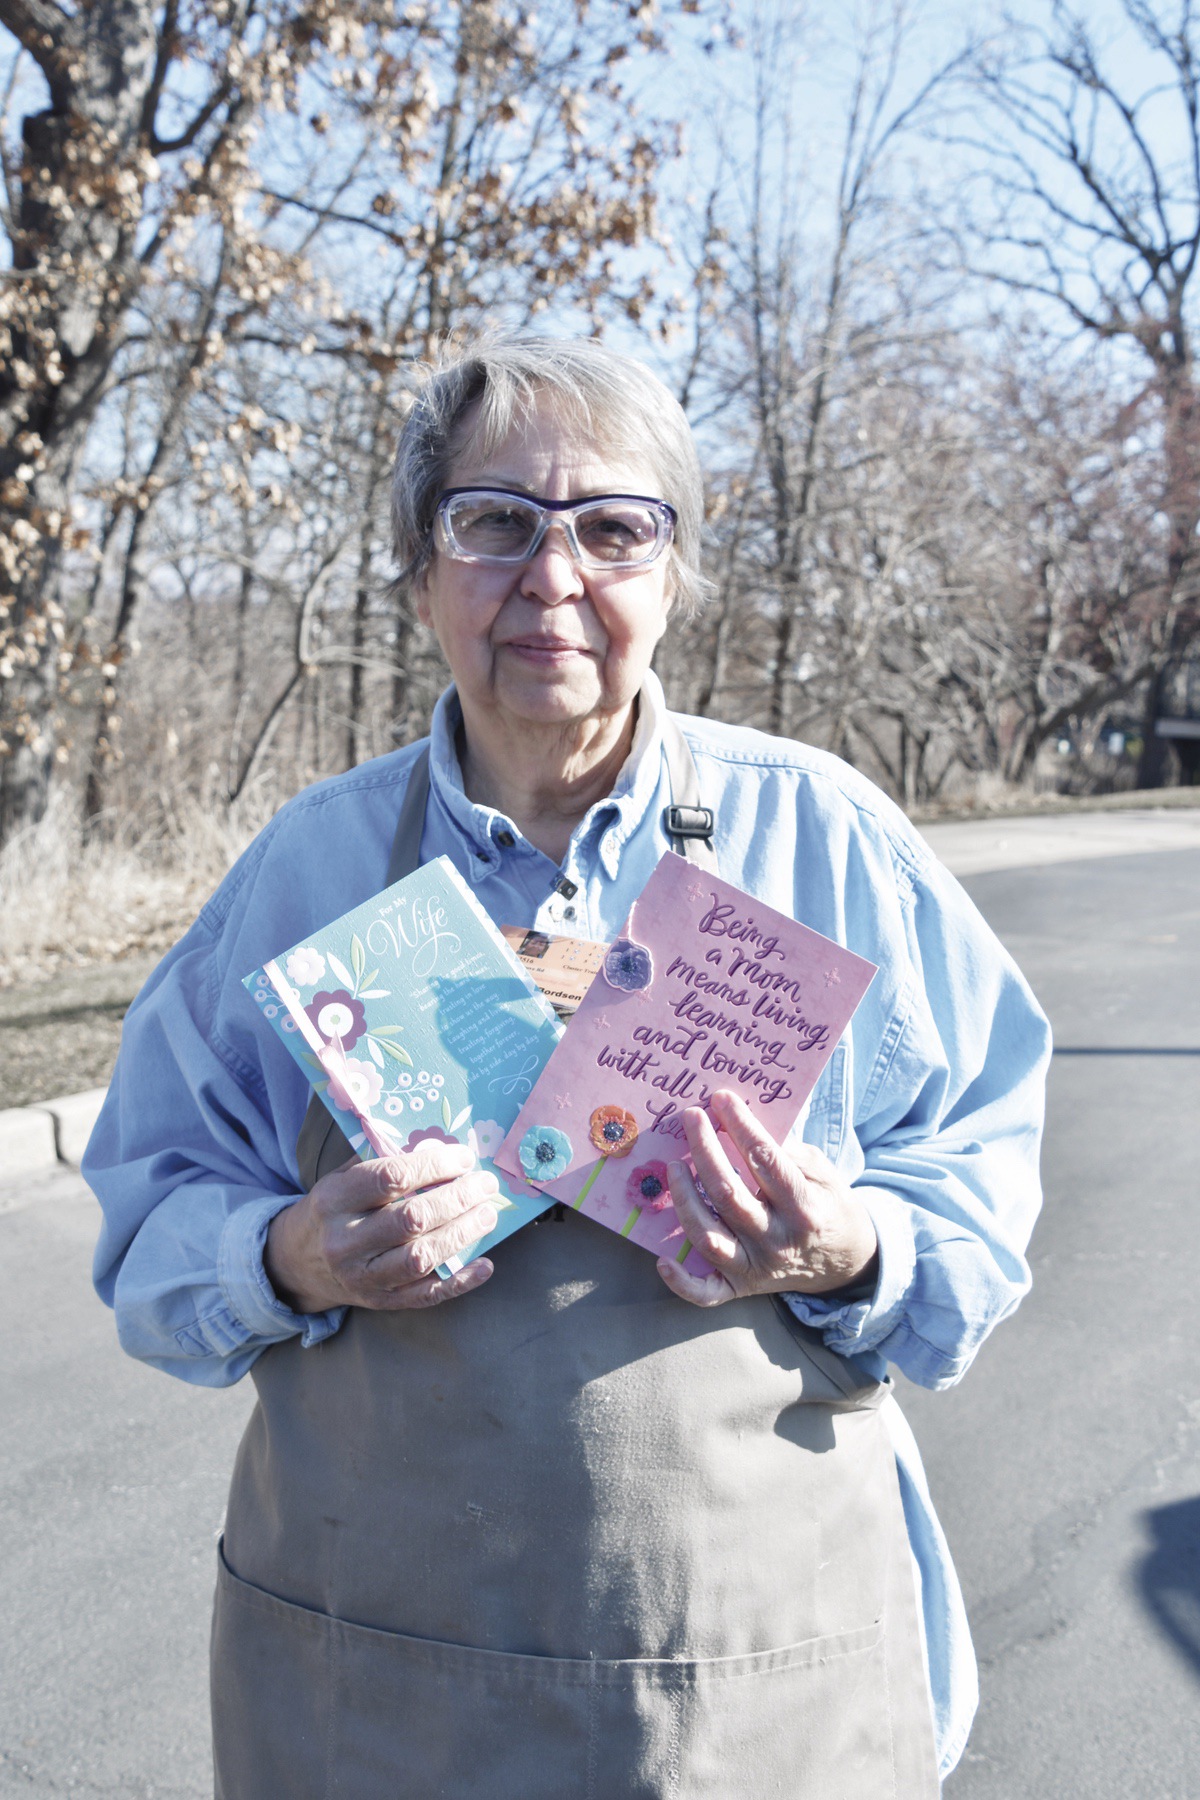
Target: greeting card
x=413 y=1019
x=706 y=988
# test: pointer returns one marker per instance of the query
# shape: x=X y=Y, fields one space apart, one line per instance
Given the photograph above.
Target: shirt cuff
x=248 y=1293
x=852 y=1327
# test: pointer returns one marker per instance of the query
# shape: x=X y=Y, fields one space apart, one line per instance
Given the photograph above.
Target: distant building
x=1178 y=721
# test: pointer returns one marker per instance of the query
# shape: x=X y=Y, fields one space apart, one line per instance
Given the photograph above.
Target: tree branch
x=39 y=25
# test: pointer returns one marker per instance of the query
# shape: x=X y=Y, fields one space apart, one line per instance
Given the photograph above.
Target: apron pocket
x=811 y=1721
x=270 y=1682
x=314 y=1707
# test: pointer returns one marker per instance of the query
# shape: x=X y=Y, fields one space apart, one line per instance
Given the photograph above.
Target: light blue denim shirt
x=931 y=1105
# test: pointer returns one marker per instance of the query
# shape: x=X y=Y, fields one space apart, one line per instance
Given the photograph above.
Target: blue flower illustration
x=545 y=1153
x=628 y=966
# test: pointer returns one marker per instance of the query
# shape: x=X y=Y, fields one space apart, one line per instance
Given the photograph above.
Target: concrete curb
x=56 y=1131
x=1048 y=806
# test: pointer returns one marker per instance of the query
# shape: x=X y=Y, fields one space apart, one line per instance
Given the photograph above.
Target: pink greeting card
x=706 y=988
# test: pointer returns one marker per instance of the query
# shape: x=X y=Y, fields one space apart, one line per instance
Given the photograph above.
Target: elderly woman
x=568 y=1522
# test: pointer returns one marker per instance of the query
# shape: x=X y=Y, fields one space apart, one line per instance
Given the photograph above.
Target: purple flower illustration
x=628 y=966
x=338 y=1015
x=429 y=1134
x=545 y=1153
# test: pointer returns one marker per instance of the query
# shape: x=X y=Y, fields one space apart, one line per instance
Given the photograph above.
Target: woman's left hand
x=801 y=1230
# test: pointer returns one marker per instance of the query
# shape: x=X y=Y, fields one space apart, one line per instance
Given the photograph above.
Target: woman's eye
x=609 y=529
x=501 y=519
x=493 y=526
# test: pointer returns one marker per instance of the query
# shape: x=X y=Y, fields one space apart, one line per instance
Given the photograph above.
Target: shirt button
x=568 y=912
x=505 y=839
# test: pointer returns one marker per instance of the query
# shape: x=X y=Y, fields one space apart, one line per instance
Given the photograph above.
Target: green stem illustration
x=587 y=1187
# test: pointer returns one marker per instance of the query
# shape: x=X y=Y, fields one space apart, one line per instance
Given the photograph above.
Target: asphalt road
x=1066 y=1467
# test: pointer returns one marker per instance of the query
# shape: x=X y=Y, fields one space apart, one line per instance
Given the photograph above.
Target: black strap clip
x=689 y=821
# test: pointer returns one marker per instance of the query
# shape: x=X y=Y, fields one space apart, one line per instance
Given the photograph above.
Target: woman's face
x=546 y=642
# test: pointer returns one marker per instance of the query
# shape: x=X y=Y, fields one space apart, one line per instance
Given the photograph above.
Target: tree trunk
x=74 y=243
x=402 y=677
x=358 y=639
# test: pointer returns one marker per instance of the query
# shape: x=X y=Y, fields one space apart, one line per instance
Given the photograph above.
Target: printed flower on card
x=545 y=1153
x=613 y=1130
x=628 y=966
x=647 y=1187
x=356 y=1086
x=487 y=1136
x=338 y=1015
x=428 y=1134
x=305 y=966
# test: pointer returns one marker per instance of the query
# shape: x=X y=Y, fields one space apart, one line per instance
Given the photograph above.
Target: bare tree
x=1090 y=199
x=801 y=339
x=101 y=179
x=329 y=181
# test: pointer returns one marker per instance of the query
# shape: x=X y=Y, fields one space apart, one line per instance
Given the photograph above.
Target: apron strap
x=406 y=845
x=321 y=1145
x=688 y=824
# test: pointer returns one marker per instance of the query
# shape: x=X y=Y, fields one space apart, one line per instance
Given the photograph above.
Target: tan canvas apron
x=566 y=1537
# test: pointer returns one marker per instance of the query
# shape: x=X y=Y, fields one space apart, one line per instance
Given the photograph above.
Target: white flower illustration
x=488 y=1137
x=305 y=966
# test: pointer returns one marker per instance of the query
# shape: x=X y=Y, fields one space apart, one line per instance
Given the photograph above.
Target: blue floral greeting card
x=413 y=1019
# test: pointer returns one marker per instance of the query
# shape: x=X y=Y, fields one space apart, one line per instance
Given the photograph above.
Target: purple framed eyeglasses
x=605 y=531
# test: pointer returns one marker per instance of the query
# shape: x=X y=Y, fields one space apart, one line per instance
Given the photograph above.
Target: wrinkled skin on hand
x=373 y=1233
x=801 y=1230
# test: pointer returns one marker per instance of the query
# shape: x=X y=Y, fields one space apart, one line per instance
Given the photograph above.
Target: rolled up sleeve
x=187 y=1165
x=947 y=1132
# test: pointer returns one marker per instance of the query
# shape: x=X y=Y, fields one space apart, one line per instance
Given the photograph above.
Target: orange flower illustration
x=613 y=1130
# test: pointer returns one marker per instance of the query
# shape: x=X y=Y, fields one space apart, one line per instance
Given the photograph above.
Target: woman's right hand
x=372 y=1233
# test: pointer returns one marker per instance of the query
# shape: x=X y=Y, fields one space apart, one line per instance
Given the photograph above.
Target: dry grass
x=68 y=901
x=131 y=888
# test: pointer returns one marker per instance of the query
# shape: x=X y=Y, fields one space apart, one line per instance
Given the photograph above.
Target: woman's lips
x=545 y=650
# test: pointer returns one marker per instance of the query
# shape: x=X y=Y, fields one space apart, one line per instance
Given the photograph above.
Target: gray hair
x=612 y=400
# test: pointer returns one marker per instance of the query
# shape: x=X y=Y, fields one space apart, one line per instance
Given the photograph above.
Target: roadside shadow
x=1169 y=1575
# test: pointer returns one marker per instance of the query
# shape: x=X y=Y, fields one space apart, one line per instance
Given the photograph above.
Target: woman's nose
x=552 y=575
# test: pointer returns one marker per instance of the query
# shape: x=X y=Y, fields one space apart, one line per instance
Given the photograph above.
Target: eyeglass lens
x=503 y=527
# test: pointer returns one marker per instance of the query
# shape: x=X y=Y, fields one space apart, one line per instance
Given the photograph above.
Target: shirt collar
x=616 y=817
